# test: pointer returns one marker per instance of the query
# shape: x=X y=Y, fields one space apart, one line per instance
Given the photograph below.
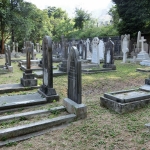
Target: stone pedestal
x=63 y=66
x=80 y=110
x=28 y=79
x=142 y=56
x=49 y=93
x=145 y=63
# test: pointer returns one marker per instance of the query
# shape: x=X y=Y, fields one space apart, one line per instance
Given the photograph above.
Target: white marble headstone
x=95 y=51
x=125 y=49
x=101 y=50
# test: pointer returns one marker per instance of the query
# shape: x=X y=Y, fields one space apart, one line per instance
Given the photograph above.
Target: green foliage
x=135 y=16
x=81 y=17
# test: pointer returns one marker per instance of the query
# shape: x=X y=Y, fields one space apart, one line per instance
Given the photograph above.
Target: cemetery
x=74 y=83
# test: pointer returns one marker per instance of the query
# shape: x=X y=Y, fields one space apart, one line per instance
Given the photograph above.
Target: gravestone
x=63 y=64
x=73 y=103
x=95 y=51
x=8 y=58
x=143 y=55
x=101 y=50
x=17 y=54
x=84 y=51
x=109 y=55
x=89 y=54
x=125 y=48
x=13 y=51
x=38 y=47
x=28 y=77
x=80 y=48
x=47 y=89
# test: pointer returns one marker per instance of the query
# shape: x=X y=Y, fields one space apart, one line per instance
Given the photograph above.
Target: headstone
x=47 y=89
x=143 y=55
x=109 y=55
x=80 y=48
x=8 y=58
x=125 y=48
x=17 y=54
x=89 y=54
x=38 y=47
x=16 y=47
x=95 y=51
x=101 y=50
x=13 y=51
x=28 y=77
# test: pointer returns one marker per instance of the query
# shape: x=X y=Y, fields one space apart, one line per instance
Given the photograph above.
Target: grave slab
x=15 y=101
x=147 y=69
x=125 y=101
x=6 y=88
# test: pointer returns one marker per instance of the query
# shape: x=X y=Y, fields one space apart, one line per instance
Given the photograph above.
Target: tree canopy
x=134 y=16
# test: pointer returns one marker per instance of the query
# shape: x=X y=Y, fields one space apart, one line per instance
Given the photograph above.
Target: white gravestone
x=38 y=47
x=89 y=55
x=101 y=50
x=143 y=55
x=125 y=49
x=95 y=51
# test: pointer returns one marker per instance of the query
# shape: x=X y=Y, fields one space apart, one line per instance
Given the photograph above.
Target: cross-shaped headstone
x=142 y=40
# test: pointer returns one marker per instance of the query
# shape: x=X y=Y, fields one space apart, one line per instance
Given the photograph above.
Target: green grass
x=103 y=128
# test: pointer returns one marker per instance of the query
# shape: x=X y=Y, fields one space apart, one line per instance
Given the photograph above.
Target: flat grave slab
x=147 y=69
x=145 y=87
x=5 y=88
x=91 y=71
x=17 y=101
x=39 y=74
x=125 y=101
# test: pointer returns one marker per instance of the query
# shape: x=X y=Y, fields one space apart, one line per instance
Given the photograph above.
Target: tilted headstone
x=74 y=76
x=101 y=50
x=95 y=51
x=109 y=55
x=125 y=49
x=47 y=89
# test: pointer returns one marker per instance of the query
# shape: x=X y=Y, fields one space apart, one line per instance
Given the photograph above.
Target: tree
x=81 y=17
x=134 y=15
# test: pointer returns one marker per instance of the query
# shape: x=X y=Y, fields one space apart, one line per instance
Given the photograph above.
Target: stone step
x=30 y=114
x=35 y=127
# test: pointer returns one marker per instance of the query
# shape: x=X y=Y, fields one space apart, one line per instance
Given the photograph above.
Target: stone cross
x=28 y=53
x=142 y=40
x=125 y=49
x=95 y=51
x=74 y=76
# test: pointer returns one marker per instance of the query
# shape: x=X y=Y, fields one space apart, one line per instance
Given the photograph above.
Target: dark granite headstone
x=74 y=76
x=47 y=89
x=109 y=55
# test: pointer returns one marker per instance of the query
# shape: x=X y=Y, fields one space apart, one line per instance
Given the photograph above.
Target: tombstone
x=109 y=55
x=13 y=51
x=138 y=45
x=32 y=51
x=73 y=103
x=146 y=47
x=8 y=58
x=47 y=89
x=125 y=48
x=28 y=77
x=101 y=50
x=80 y=48
x=95 y=51
x=16 y=54
x=143 y=55
x=38 y=47
x=89 y=54
x=63 y=64
x=84 y=51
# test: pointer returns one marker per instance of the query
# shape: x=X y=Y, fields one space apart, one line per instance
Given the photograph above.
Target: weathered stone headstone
x=109 y=55
x=38 y=47
x=73 y=103
x=125 y=48
x=47 y=89
x=89 y=54
x=80 y=48
x=101 y=50
x=13 y=51
x=95 y=51
x=28 y=77
x=8 y=58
